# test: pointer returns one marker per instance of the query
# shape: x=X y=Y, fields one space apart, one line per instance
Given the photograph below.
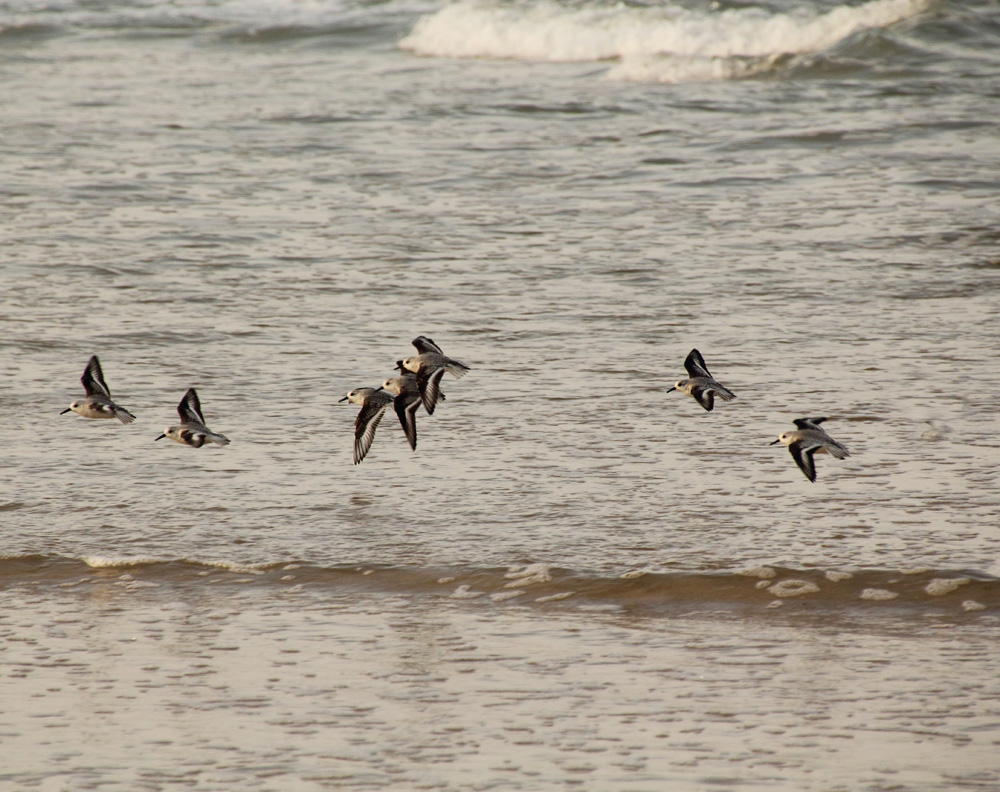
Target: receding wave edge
x=764 y=586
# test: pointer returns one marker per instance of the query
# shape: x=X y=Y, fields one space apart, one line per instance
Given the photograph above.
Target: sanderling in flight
x=407 y=400
x=192 y=430
x=807 y=440
x=702 y=386
x=429 y=366
x=373 y=402
x=98 y=402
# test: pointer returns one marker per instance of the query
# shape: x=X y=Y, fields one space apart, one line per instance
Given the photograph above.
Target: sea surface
x=579 y=580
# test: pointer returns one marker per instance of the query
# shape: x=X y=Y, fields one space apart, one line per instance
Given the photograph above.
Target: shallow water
x=296 y=678
x=578 y=579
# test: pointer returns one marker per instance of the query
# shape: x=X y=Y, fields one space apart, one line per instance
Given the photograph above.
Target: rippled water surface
x=578 y=579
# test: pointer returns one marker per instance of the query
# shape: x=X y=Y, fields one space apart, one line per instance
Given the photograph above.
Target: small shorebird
x=807 y=440
x=429 y=366
x=192 y=430
x=97 y=403
x=701 y=386
x=373 y=402
x=407 y=400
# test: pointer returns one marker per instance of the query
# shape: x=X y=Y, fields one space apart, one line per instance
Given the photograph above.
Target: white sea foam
x=664 y=43
x=762 y=572
x=110 y=562
x=466 y=592
x=793 y=588
x=234 y=566
x=527 y=575
x=877 y=594
x=938 y=587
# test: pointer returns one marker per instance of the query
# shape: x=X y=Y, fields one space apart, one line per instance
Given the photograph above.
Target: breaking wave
x=666 y=43
x=958 y=591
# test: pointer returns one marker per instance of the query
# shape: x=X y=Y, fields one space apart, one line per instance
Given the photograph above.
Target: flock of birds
x=803 y=444
x=98 y=403
x=419 y=384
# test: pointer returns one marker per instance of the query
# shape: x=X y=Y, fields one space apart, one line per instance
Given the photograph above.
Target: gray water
x=577 y=578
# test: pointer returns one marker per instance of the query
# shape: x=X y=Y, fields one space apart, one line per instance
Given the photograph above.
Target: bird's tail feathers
x=838 y=451
x=456 y=368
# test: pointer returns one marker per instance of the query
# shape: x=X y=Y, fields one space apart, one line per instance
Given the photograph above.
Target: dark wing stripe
x=804 y=459
x=406 y=408
x=433 y=389
x=704 y=397
x=429 y=386
x=695 y=365
x=423 y=345
x=93 y=378
x=364 y=429
x=190 y=408
x=192 y=438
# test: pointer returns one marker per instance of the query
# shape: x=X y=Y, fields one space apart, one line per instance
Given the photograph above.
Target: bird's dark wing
x=93 y=378
x=423 y=345
x=803 y=453
x=695 y=365
x=705 y=397
x=190 y=408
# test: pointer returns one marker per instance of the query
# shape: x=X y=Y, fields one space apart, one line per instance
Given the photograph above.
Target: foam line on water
x=664 y=43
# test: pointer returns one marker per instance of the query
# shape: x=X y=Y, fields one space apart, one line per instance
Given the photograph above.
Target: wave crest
x=664 y=44
x=636 y=590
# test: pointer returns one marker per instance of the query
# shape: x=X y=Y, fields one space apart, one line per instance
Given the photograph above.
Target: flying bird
x=373 y=402
x=429 y=366
x=192 y=430
x=406 y=403
x=97 y=403
x=808 y=440
x=701 y=386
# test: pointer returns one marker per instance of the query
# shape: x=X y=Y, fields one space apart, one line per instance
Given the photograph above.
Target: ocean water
x=579 y=579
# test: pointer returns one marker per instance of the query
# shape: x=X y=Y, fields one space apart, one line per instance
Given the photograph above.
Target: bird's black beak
x=160 y=437
x=775 y=442
x=669 y=389
x=344 y=399
x=68 y=409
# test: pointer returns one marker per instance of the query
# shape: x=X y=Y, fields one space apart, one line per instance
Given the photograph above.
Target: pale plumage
x=373 y=402
x=192 y=430
x=428 y=367
x=97 y=403
x=406 y=403
x=701 y=386
x=808 y=440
